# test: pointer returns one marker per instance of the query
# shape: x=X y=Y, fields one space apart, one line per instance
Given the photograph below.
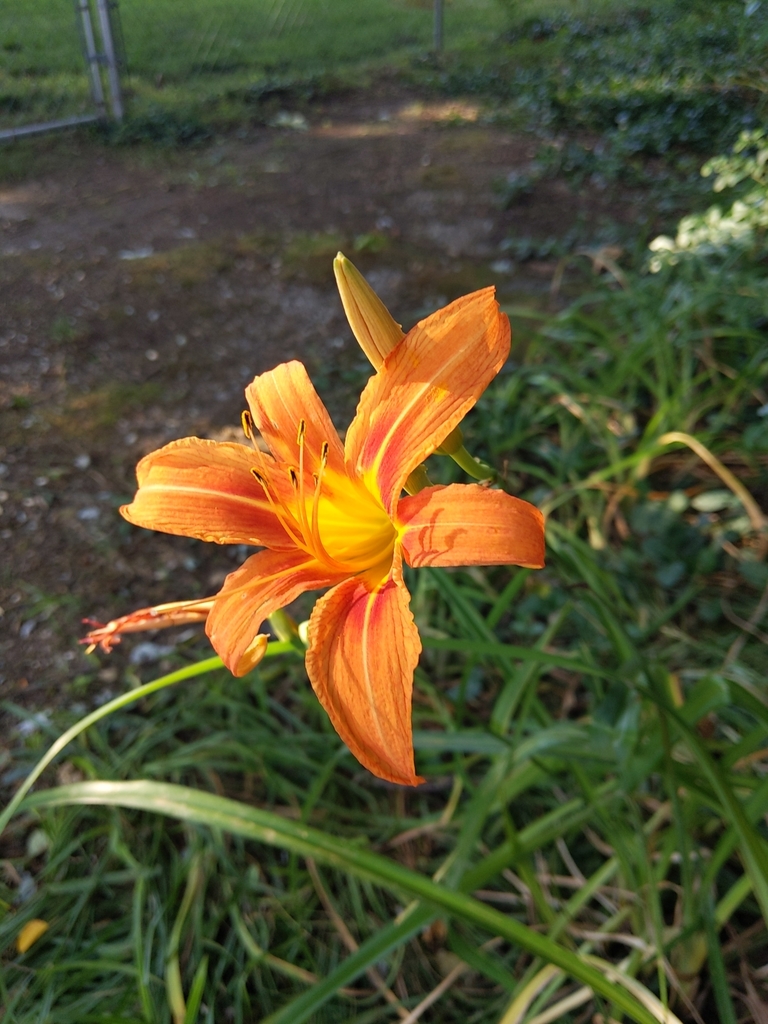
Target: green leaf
x=496 y=649
x=189 y=672
x=217 y=812
x=412 y=921
x=465 y=741
x=196 y=992
x=753 y=847
x=717 y=972
x=481 y=961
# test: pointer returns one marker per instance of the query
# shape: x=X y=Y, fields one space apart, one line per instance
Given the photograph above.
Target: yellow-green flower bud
x=372 y=324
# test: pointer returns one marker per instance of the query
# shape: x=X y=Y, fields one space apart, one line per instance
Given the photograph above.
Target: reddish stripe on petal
x=466 y=524
x=204 y=489
x=363 y=649
x=265 y=582
x=425 y=387
x=282 y=397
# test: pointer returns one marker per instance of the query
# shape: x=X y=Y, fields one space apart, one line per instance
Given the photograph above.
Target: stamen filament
x=310 y=529
x=310 y=543
x=302 y=523
x=302 y=506
x=318 y=486
x=281 y=513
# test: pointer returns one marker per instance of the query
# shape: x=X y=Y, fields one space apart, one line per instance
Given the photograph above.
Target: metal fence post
x=110 y=59
x=92 y=56
x=437 y=28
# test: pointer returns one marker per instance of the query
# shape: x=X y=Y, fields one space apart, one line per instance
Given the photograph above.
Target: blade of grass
x=174 y=990
x=189 y=672
x=217 y=812
x=196 y=992
x=717 y=973
x=482 y=647
x=753 y=847
x=412 y=921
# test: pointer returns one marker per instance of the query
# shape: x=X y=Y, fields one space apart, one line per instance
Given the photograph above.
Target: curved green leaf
x=189 y=672
x=217 y=812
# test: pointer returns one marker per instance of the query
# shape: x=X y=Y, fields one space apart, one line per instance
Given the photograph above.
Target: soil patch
x=143 y=289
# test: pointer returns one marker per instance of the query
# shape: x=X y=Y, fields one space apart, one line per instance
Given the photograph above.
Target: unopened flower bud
x=372 y=324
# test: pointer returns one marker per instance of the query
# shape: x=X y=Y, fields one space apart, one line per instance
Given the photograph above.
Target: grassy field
x=660 y=75
x=194 y=55
x=594 y=736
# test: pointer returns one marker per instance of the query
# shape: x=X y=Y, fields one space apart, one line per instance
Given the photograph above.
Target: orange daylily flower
x=333 y=515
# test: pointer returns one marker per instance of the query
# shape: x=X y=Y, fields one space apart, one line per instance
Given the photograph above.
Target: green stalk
x=473 y=467
x=173 y=986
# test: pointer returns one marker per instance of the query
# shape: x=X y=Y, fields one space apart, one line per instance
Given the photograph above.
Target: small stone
x=37 y=842
x=82 y=462
x=27 y=888
x=152 y=355
x=145 y=653
x=40 y=720
x=135 y=254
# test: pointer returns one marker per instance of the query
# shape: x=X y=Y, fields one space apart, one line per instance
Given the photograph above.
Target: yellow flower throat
x=336 y=519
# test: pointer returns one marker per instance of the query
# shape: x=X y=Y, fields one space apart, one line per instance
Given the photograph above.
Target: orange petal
x=176 y=613
x=466 y=524
x=205 y=489
x=267 y=581
x=425 y=387
x=279 y=400
x=253 y=654
x=363 y=649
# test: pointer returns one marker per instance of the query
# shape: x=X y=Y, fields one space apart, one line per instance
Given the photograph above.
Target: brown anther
x=259 y=478
x=293 y=476
x=324 y=453
x=247 y=423
x=302 y=431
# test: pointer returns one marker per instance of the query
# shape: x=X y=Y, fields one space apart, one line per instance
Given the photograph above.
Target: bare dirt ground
x=141 y=290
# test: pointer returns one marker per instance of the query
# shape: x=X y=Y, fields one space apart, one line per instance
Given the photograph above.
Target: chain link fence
x=59 y=65
x=59 y=59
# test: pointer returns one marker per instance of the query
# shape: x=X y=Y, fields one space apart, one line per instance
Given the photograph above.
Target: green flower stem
x=286 y=630
x=452 y=442
x=198 y=669
x=473 y=467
